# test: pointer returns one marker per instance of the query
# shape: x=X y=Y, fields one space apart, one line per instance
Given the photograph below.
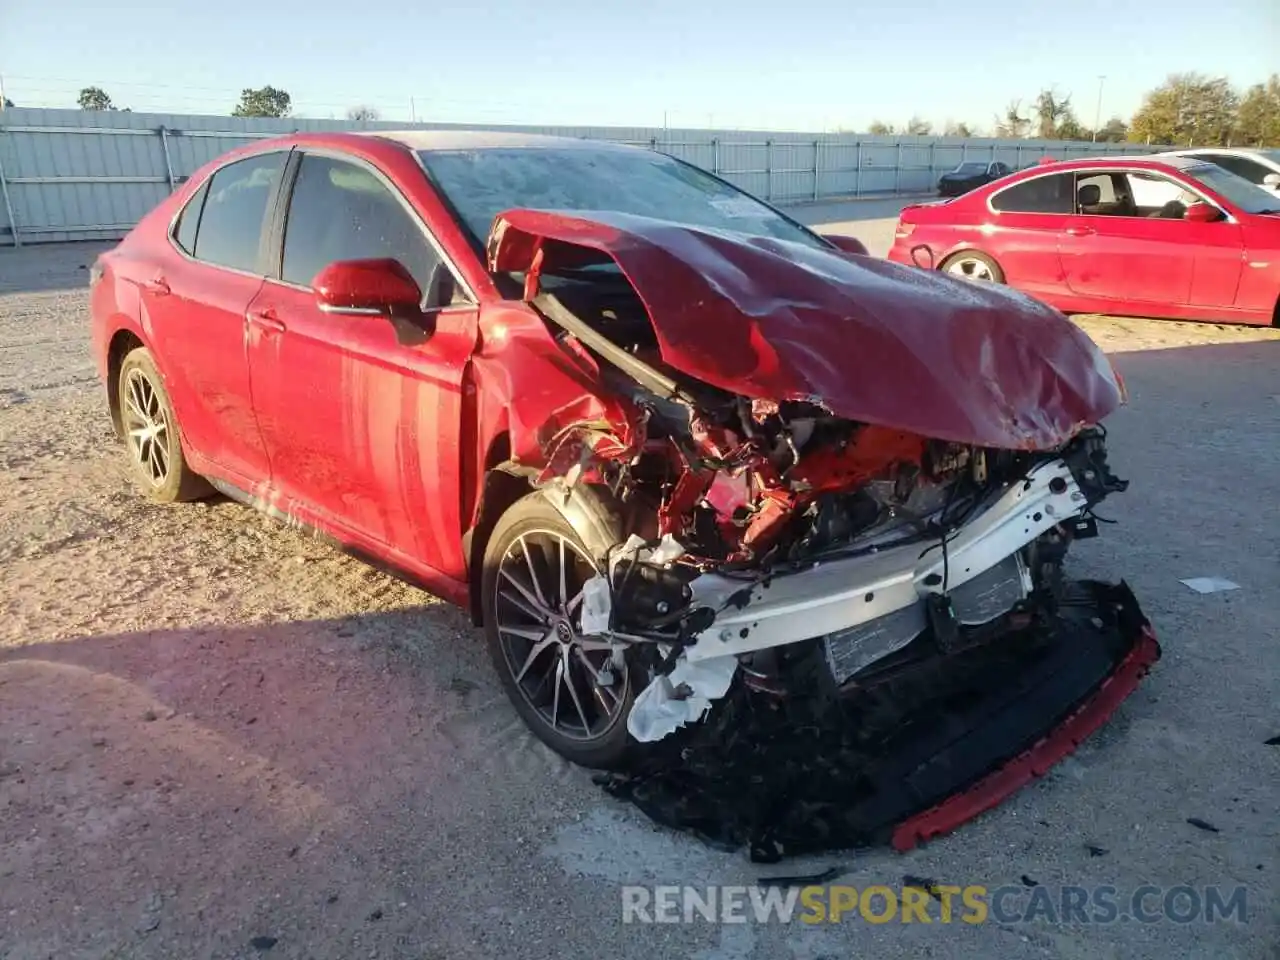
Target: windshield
x=1237 y=190
x=971 y=167
x=480 y=184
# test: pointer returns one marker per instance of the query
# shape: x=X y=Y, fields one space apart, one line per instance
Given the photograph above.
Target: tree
x=94 y=98
x=1258 y=119
x=263 y=102
x=954 y=129
x=1114 y=130
x=1188 y=108
x=1052 y=112
x=918 y=128
x=879 y=128
x=363 y=113
x=1013 y=124
x=8 y=104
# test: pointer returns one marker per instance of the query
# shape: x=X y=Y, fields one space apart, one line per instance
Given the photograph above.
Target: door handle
x=157 y=285
x=267 y=320
x=1081 y=231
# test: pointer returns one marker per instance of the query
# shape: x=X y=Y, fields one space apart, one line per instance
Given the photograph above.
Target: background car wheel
x=971 y=265
x=151 y=433
x=563 y=685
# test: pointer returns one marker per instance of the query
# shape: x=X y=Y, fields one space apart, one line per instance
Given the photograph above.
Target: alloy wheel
x=147 y=427
x=970 y=268
x=571 y=681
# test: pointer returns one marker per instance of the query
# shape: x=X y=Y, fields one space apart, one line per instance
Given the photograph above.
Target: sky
x=800 y=65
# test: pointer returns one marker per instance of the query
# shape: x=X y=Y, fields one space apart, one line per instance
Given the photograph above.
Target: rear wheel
x=151 y=433
x=565 y=686
x=971 y=265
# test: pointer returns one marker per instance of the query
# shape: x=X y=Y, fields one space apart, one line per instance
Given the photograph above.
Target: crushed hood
x=870 y=340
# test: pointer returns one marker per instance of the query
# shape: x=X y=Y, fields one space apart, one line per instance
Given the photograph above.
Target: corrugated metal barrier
x=89 y=175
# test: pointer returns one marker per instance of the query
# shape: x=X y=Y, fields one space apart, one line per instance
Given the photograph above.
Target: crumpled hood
x=870 y=340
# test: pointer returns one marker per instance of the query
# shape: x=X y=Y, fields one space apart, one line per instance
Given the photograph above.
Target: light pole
x=1097 y=114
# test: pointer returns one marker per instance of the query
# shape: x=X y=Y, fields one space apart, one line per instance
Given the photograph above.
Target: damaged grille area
x=811 y=766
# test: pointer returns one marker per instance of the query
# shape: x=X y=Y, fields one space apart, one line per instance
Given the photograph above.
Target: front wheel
x=971 y=265
x=566 y=687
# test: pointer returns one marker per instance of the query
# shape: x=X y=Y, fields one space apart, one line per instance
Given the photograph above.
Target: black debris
x=263 y=944
x=148 y=716
x=1273 y=742
x=1028 y=882
x=376 y=915
x=1202 y=824
x=293 y=851
x=461 y=686
x=922 y=883
x=332 y=898
x=802 y=880
x=1096 y=851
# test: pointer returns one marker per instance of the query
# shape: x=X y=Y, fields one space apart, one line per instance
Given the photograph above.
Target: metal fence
x=87 y=175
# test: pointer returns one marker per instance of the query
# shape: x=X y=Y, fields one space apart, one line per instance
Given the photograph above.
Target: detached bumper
x=903 y=756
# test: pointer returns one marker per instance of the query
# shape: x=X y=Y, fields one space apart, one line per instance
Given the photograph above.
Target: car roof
x=1228 y=151
x=430 y=140
x=1148 y=161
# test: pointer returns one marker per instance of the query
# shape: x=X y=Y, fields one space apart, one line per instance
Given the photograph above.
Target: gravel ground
x=221 y=738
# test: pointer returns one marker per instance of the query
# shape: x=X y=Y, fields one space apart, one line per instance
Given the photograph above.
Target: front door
x=194 y=313
x=361 y=423
x=1127 y=241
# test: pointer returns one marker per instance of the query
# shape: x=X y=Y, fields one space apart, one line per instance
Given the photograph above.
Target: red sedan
x=704 y=476
x=1172 y=237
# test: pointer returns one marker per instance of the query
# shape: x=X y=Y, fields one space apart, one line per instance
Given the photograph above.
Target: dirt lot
x=220 y=738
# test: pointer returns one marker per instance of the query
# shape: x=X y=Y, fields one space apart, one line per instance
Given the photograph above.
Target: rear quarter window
x=1049 y=194
x=184 y=235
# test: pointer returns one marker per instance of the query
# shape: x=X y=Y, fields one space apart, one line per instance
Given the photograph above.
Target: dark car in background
x=971 y=174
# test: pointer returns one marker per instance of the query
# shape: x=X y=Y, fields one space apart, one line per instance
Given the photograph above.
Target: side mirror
x=846 y=244
x=1201 y=212
x=367 y=287
x=1271 y=181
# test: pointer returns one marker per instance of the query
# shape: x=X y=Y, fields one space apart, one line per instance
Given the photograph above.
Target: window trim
x=1188 y=183
x=280 y=221
x=266 y=219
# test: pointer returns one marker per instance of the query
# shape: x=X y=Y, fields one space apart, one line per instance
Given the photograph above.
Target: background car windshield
x=1238 y=190
x=482 y=183
x=971 y=168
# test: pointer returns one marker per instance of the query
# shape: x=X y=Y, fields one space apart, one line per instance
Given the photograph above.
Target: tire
x=156 y=460
x=974 y=266
x=591 y=730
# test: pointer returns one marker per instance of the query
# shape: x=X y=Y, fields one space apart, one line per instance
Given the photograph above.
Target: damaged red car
x=772 y=530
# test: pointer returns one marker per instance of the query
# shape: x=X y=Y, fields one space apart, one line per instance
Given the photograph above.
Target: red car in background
x=1171 y=237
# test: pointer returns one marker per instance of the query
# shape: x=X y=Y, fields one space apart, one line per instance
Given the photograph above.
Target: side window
x=236 y=202
x=342 y=211
x=184 y=235
x=1051 y=194
x=1158 y=197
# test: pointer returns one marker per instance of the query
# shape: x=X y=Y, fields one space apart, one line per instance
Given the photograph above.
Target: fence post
x=857 y=168
x=1019 y=149
x=815 y=170
x=768 y=169
x=168 y=165
x=715 y=155
x=933 y=161
x=897 y=172
x=8 y=207
x=653 y=143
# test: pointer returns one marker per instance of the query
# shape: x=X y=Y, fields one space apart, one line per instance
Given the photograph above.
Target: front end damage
x=843 y=584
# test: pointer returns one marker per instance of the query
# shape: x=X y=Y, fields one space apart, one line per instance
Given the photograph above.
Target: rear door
x=361 y=425
x=194 y=312
x=1029 y=215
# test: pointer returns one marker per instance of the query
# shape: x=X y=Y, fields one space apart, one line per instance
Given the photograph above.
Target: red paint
x=870 y=340
x=1201 y=267
x=366 y=285
x=992 y=789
